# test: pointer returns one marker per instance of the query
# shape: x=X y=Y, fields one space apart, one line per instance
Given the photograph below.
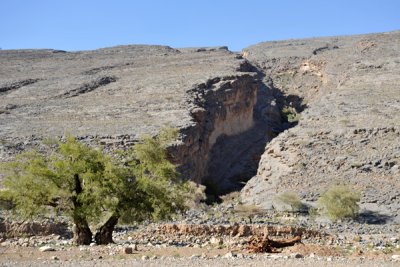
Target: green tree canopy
x=90 y=187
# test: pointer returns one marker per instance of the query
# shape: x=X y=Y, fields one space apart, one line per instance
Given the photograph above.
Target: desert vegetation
x=339 y=202
x=91 y=187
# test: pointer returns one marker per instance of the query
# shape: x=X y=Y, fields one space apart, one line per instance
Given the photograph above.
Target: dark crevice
x=233 y=160
x=290 y=106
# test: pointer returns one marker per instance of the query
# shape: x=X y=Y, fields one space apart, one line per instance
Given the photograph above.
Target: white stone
x=46 y=249
x=229 y=255
x=216 y=241
x=396 y=257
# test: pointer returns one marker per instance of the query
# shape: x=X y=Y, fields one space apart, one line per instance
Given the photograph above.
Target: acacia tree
x=90 y=187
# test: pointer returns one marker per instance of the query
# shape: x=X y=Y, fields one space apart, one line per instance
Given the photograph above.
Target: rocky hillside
x=349 y=131
x=319 y=111
x=112 y=96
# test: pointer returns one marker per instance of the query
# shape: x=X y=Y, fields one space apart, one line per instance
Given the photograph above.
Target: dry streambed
x=200 y=245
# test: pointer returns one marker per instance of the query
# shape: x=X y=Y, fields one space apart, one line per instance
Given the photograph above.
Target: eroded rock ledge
x=221 y=107
x=112 y=96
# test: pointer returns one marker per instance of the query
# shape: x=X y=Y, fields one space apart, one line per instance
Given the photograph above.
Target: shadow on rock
x=373 y=217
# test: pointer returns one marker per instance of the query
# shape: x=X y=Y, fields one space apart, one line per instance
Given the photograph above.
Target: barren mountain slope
x=119 y=90
x=350 y=132
x=112 y=96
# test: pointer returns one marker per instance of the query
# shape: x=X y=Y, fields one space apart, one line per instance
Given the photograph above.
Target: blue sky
x=86 y=24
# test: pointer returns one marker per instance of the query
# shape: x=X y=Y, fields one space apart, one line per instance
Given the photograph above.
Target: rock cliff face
x=112 y=96
x=221 y=107
x=349 y=132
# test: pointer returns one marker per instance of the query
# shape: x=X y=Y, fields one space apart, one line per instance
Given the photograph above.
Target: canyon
x=283 y=116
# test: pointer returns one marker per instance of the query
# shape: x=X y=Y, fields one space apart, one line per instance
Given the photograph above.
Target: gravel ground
x=262 y=260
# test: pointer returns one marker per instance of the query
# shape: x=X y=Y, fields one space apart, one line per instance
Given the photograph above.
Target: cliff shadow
x=233 y=160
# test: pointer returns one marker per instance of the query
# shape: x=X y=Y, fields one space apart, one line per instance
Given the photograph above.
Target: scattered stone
x=229 y=255
x=216 y=241
x=46 y=249
x=55 y=258
x=145 y=257
x=396 y=257
x=296 y=256
x=128 y=250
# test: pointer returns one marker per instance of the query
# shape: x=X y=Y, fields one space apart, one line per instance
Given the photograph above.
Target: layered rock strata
x=350 y=132
x=112 y=96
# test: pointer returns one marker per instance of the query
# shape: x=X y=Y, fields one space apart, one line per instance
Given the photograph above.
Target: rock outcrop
x=349 y=131
x=112 y=96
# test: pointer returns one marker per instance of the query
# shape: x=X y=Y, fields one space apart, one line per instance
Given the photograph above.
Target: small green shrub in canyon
x=340 y=202
x=290 y=114
x=291 y=199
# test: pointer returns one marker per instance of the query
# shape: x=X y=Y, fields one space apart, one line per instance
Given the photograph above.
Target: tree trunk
x=104 y=234
x=82 y=233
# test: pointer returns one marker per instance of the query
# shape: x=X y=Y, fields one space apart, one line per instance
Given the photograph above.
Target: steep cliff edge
x=349 y=132
x=114 y=95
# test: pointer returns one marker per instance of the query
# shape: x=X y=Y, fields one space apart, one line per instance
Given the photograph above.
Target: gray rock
x=296 y=256
x=195 y=256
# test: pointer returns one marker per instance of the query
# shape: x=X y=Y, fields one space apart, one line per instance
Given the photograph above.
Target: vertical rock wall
x=220 y=107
